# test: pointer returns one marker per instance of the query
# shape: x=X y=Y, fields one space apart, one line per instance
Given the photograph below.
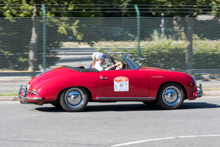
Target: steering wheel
x=120 y=66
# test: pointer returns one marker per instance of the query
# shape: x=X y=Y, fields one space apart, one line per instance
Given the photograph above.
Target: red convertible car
x=71 y=88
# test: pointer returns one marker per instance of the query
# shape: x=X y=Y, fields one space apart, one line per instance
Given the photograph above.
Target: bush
x=167 y=53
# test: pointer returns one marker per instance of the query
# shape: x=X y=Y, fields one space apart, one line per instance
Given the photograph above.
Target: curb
x=15 y=98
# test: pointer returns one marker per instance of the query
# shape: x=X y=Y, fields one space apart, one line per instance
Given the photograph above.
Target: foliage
x=198 y=6
x=16 y=32
x=170 y=54
x=76 y=28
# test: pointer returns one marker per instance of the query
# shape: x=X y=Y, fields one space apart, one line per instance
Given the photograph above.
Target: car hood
x=157 y=72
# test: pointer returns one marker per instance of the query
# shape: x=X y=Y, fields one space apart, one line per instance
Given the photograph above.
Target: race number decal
x=121 y=84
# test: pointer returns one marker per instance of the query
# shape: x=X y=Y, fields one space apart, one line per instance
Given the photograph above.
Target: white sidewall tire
x=170 y=96
x=74 y=104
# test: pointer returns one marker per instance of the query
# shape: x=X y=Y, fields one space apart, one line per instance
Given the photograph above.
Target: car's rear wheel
x=74 y=99
x=170 y=96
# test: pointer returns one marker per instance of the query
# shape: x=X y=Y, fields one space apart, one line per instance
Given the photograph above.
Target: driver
x=93 y=56
x=99 y=59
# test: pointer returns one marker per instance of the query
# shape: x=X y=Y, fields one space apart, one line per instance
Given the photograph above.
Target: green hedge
x=171 y=54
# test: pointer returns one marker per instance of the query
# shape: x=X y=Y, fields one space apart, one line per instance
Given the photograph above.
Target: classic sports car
x=71 y=88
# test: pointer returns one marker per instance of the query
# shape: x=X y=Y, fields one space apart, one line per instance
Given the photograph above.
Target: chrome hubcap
x=74 y=98
x=171 y=96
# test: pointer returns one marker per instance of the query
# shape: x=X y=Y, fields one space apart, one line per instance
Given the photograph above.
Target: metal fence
x=171 y=43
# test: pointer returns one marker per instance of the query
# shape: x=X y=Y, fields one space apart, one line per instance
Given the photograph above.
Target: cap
x=94 y=54
x=101 y=56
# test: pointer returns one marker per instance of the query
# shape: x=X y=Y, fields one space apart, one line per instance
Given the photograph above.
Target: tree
x=34 y=37
x=77 y=28
x=187 y=9
x=194 y=7
x=27 y=8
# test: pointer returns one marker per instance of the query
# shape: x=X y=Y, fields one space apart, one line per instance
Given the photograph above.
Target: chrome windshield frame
x=132 y=67
x=126 y=60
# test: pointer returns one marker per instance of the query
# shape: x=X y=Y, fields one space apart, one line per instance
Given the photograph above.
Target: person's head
x=94 y=54
x=100 y=57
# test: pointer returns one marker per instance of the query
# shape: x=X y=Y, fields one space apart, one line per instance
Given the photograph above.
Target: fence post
x=44 y=36
x=138 y=31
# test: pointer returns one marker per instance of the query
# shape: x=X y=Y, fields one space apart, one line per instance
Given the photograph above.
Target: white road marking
x=166 y=138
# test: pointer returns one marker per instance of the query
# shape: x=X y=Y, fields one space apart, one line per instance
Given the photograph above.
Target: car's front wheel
x=170 y=96
x=74 y=99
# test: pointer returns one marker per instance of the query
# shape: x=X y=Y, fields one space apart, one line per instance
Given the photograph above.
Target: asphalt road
x=111 y=124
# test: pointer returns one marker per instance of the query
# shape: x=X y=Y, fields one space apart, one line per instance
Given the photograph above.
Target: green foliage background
x=16 y=30
x=168 y=53
x=164 y=51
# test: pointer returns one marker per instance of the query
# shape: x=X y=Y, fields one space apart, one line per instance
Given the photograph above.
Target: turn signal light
x=34 y=90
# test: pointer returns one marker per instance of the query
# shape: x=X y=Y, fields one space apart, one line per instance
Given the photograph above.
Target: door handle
x=104 y=78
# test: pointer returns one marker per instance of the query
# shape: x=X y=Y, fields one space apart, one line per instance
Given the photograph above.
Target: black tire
x=151 y=103
x=56 y=104
x=170 y=96
x=74 y=99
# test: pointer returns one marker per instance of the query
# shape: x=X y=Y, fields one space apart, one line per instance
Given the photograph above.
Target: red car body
x=142 y=84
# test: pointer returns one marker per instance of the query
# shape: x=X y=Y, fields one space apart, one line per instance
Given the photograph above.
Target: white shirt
x=99 y=67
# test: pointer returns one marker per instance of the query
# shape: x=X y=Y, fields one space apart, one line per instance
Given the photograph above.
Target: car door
x=124 y=83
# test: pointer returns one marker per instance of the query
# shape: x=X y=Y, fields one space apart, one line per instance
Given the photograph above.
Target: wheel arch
x=185 y=93
x=90 y=94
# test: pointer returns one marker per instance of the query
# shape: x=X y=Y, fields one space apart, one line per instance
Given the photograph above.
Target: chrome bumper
x=199 y=93
x=22 y=94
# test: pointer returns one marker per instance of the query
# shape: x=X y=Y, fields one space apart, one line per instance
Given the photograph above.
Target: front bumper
x=199 y=92
x=25 y=95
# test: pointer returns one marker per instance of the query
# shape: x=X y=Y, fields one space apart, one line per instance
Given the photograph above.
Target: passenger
x=99 y=60
x=93 y=56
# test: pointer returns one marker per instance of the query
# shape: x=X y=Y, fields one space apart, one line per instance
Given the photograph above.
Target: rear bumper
x=23 y=96
x=199 y=92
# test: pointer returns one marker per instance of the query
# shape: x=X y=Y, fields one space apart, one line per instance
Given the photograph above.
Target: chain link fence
x=188 y=45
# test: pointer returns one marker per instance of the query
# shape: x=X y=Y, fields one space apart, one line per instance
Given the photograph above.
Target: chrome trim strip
x=25 y=94
x=128 y=62
x=200 y=92
x=126 y=98
x=23 y=100
x=200 y=88
x=37 y=98
x=33 y=93
x=198 y=95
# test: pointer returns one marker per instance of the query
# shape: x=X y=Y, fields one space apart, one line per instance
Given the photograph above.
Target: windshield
x=132 y=63
x=127 y=61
